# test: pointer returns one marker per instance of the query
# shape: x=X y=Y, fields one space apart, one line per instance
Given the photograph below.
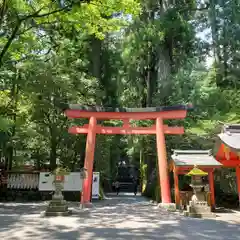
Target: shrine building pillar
x=176 y=187
x=238 y=181
x=212 y=189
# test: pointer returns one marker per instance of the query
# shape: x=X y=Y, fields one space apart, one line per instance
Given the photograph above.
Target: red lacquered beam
x=230 y=163
x=125 y=130
x=177 y=114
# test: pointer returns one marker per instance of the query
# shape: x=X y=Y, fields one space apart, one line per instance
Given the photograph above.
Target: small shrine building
x=182 y=161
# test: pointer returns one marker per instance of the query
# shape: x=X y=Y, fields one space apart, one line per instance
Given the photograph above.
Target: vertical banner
x=95 y=185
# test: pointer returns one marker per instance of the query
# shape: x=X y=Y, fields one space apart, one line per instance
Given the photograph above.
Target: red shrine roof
x=228 y=152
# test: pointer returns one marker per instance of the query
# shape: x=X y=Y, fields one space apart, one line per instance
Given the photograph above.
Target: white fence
x=42 y=181
x=22 y=181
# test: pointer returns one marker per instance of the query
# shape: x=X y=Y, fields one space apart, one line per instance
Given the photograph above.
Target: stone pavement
x=123 y=217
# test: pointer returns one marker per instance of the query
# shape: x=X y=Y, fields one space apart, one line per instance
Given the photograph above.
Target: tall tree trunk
x=53 y=148
x=164 y=60
x=38 y=162
x=225 y=53
x=151 y=70
x=95 y=67
x=14 y=100
x=149 y=87
x=214 y=30
x=95 y=57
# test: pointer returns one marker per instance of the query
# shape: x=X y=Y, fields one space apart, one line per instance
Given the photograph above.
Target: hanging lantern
x=226 y=151
x=83 y=173
x=171 y=166
x=59 y=178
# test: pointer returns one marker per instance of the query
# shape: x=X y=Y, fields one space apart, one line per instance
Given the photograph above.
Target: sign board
x=72 y=182
x=95 y=185
x=45 y=182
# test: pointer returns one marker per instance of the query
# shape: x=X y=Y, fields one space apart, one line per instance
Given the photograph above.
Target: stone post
x=57 y=206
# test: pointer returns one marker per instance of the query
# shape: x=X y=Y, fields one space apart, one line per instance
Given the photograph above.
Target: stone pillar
x=57 y=206
x=162 y=163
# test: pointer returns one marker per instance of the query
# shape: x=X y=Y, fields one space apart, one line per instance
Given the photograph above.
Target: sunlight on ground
x=123 y=217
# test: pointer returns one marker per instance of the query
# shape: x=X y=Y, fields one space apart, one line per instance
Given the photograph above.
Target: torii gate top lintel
x=165 y=112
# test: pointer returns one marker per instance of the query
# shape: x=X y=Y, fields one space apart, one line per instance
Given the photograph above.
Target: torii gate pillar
x=88 y=162
x=162 y=162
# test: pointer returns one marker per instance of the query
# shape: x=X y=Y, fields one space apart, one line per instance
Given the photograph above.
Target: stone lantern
x=83 y=173
x=58 y=206
x=198 y=206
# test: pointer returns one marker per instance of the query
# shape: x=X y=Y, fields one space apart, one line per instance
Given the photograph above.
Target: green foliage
x=44 y=62
x=5 y=124
x=102 y=156
x=224 y=21
x=60 y=171
x=143 y=171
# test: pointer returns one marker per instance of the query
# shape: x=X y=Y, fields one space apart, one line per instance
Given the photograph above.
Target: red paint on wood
x=177 y=114
x=89 y=157
x=230 y=163
x=185 y=169
x=125 y=130
x=162 y=162
x=238 y=181
x=182 y=172
x=176 y=188
x=126 y=123
x=212 y=190
x=221 y=156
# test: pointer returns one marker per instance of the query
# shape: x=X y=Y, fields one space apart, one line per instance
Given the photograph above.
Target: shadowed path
x=124 y=217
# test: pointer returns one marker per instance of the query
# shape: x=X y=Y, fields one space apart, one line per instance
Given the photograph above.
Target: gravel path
x=124 y=217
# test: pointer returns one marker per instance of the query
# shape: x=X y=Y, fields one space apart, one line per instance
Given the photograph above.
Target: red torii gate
x=126 y=114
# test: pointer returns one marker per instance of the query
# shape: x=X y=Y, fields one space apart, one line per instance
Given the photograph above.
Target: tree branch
x=68 y=8
x=29 y=57
x=9 y=42
x=3 y=11
x=50 y=13
x=33 y=15
x=25 y=30
x=17 y=27
x=206 y=7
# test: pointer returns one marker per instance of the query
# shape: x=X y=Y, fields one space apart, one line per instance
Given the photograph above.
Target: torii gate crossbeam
x=125 y=130
x=126 y=114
